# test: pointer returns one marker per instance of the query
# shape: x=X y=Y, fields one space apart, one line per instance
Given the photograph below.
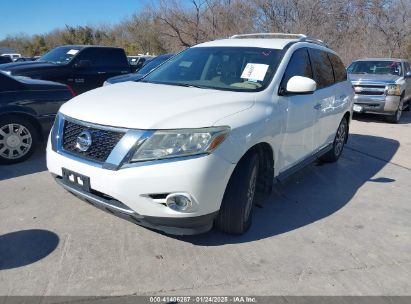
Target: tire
x=407 y=108
x=395 y=118
x=338 y=145
x=236 y=208
x=18 y=139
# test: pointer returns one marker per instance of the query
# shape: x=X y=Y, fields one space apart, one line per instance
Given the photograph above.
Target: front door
x=298 y=136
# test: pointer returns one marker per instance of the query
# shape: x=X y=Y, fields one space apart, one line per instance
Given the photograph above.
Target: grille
x=369 y=90
x=103 y=141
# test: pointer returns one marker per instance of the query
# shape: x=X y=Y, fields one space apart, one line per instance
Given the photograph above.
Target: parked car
x=5 y=59
x=382 y=86
x=81 y=67
x=13 y=56
x=191 y=143
x=147 y=68
x=27 y=111
x=21 y=59
x=137 y=62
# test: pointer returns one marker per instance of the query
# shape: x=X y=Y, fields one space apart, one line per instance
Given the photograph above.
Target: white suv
x=190 y=145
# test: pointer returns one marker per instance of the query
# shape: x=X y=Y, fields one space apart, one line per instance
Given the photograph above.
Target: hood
x=18 y=68
x=153 y=106
x=36 y=84
x=379 y=78
x=127 y=77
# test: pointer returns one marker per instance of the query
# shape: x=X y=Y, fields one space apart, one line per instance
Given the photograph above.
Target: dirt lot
x=332 y=229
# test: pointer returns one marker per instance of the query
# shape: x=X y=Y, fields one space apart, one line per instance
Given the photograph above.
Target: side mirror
x=408 y=74
x=82 y=64
x=300 y=85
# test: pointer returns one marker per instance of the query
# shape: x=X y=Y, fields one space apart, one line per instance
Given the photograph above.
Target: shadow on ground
x=312 y=194
x=25 y=247
x=36 y=163
x=405 y=118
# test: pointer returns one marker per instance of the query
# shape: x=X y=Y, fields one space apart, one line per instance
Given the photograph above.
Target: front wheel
x=18 y=139
x=236 y=208
x=395 y=118
x=338 y=145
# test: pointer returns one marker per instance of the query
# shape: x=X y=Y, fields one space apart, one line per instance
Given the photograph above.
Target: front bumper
x=129 y=192
x=378 y=104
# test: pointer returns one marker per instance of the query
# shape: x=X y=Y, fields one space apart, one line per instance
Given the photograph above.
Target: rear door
x=325 y=106
x=300 y=114
x=112 y=62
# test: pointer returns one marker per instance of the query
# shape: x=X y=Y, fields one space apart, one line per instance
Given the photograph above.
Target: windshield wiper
x=179 y=84
x=187 y=85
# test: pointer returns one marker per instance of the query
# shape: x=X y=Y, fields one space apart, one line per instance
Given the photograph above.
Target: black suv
x=81 y=67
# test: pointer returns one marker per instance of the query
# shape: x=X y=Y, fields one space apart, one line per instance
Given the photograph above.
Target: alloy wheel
x=15 y=141
x=340 y=138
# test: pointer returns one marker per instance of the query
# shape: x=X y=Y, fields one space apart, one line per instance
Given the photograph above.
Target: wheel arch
x=266 y=166
x=30 y=118
x=347 y=116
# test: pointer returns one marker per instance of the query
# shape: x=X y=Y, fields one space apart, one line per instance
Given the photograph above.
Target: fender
x=9 y=109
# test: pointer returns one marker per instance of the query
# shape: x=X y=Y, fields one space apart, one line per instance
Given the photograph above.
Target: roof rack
x=298 y=37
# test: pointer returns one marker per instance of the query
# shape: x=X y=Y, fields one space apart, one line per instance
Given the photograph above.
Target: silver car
x=382 y=86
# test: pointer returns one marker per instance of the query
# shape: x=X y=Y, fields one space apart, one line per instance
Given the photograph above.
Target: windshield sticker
x=185 y=64
x=72 y=52
x=255 y=71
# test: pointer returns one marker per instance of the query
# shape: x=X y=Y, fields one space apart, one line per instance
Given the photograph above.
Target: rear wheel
x=338 y=144
x=18 y=139
x=236 y=208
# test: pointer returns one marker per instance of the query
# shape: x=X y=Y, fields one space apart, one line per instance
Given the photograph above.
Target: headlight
x=394 y=89
x=179 y=143
x=7 y=72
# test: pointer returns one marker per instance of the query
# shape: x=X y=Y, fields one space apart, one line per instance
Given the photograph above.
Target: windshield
x=60 y=55
x=375 y=67
x=221 y=68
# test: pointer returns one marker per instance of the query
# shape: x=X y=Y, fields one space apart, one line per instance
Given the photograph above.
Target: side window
x=104 y=57
x=299 y=65
x=322 y=68
x=113 y=58
x=340 y=74
x=89 y=54
x=407 y=67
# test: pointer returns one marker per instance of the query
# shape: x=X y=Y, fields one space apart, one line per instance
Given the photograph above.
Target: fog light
x=179 y=202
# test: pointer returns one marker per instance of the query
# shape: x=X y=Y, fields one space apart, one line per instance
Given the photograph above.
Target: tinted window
x=340 y=74
x=103 y=57
x=322 y=69
x=299 y=65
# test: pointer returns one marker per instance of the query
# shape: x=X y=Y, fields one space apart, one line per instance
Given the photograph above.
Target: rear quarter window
x=340 y=74
x=322 y=68
x=104 y=57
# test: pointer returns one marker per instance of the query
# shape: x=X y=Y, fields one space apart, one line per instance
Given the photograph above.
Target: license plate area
x=76 y=180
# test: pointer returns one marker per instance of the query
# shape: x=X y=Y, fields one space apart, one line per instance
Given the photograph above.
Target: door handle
x=101 y=73
x=342 y=97
x=318 y=106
